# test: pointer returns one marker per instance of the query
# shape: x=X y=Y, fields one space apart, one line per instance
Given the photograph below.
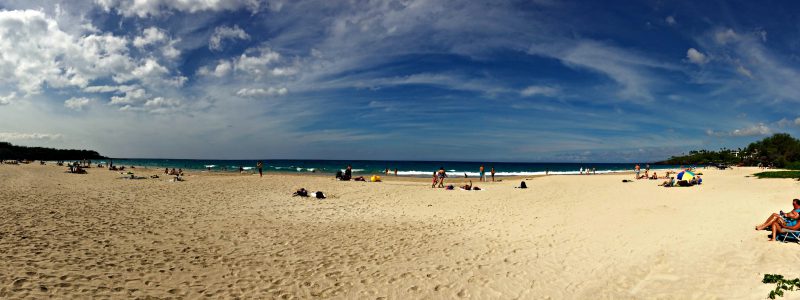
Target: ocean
x=404 y=168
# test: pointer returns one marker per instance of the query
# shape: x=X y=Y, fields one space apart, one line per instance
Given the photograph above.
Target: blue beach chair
x=789 y=234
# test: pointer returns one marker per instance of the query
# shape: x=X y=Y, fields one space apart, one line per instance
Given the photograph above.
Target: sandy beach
x=222 y=236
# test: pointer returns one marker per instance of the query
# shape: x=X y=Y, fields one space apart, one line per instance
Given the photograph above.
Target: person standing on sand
x=442 y=175
x=260 y=165
x=395 y=171
x=636 y=170
x=492 y=173
x=483 y=173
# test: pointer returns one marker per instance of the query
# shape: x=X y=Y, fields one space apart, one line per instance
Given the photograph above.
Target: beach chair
x=790 y=234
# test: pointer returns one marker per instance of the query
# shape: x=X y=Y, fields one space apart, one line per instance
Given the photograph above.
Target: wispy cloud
x=18 y=136
x=754 y=130
x=77 y=104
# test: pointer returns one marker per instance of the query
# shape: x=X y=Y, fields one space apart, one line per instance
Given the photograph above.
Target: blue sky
x=542 y=80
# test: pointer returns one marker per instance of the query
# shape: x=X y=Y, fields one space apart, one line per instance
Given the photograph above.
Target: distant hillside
x=11 y=152
x=780 y=150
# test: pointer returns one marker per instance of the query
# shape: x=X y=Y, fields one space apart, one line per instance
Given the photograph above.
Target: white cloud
x=759 y=129
x=134 y=96
x=670 y=20
x=5 y=100
x=797 y=121
x=725 y=36
x=108 y=88
x=255 y=62
x=35 y=52
x=13 y=136
x=744 y=71
x=152 y=74
x=696 y=57
x=535 y=90
x=76 y=103
x=150 y=36
x=259 y=92
x=222 y=33
x=146 y=8
x=627 y=68
x=223 y=68
x=153 y=36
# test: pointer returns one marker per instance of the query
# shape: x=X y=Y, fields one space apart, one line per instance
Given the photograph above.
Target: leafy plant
x=781 y=284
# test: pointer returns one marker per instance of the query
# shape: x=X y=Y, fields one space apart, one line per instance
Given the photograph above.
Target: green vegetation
x=704 y=157
x=781 y=284
x=780 y=150
x=11 y=152
x=778 y=174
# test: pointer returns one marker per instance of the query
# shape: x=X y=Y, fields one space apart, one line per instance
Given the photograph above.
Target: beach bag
x=339 y=175
x=522 y=185
x=375 y=178
x=320 y=195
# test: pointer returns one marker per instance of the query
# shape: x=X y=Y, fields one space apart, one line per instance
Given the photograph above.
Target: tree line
x=780 y=150
x=12 y=152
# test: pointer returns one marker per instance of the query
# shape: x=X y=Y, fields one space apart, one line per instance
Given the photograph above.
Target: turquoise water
x=404 y=168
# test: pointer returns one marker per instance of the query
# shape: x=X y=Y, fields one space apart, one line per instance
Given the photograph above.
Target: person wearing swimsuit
x=780 y=220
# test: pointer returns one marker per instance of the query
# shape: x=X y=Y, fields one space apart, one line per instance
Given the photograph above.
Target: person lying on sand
x=467 y=187
x=782 y=220
x=302 y=192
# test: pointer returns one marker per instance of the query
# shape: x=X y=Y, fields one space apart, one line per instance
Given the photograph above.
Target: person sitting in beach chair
x=783 y=221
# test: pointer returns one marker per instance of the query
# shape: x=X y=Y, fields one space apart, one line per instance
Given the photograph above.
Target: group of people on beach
x=179 y=172
x=483 y=173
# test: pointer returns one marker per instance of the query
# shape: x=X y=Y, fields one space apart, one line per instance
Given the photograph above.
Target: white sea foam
x=497 y=174
x=210 y=166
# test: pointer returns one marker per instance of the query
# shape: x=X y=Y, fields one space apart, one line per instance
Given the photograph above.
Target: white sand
x=587 y=237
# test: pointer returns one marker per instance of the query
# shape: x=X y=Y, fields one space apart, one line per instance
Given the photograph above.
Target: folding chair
x=794 y=234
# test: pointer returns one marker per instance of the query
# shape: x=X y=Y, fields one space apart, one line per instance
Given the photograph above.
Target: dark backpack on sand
x=522 y=185
x=320 y=195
